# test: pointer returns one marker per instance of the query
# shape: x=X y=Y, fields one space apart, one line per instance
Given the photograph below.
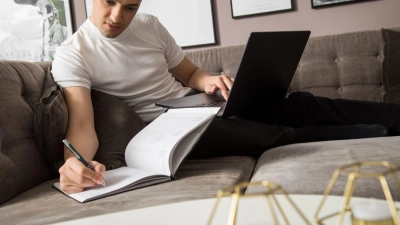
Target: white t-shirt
x=133 y=66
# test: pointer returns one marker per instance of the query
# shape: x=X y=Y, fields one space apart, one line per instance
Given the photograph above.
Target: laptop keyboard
x=221 y=104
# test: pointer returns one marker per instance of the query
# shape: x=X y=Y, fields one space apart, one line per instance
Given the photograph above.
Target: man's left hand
x=214 y=83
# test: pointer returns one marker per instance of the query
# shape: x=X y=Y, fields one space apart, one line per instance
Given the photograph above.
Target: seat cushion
x=196 y=179
x=307 y=168
x=21 y=166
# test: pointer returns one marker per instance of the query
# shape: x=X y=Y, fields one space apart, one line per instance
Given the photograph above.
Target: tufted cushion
x=115 y=123
x=217 y=61
x=345 y=65
x=391 y=65
x=21 y=166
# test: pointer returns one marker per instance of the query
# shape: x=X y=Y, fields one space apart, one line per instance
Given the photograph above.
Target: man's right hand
x=75 y=177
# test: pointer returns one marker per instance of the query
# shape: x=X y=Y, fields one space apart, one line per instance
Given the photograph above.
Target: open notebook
x=155 y=153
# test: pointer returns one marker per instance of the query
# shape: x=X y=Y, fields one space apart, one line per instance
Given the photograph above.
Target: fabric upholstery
x=21 y=166
x=391 y=65
x=347 y=65
x=51 y=123
x=307 y=168
x=196 y=179
x=217 y=61
x=115 y=123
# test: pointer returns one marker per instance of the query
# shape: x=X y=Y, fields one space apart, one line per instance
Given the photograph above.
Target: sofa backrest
x=21 y=166
x=347 y=65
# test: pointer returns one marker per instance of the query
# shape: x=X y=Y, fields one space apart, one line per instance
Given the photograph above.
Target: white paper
x=248 y=7
x=115 y=180
x=151 y=148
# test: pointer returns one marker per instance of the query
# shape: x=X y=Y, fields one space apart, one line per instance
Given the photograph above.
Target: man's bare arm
x=81 y=122
x=196 y=78
x=74 y=176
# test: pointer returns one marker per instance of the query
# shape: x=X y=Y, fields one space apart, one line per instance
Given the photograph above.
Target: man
x=110 y=22
x=133 y=56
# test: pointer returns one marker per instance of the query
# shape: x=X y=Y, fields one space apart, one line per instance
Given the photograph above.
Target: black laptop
x=266 y=70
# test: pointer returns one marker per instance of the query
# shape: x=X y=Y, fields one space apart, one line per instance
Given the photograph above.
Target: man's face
x=112 y=17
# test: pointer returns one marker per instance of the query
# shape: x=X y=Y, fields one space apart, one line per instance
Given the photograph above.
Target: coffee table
x=252 y=211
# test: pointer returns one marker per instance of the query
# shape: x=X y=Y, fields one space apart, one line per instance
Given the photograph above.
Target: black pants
x=230 y=136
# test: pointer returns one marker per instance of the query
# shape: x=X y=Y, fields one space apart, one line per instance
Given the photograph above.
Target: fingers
x=75 y=177
x=223 y=83
x=98 y=167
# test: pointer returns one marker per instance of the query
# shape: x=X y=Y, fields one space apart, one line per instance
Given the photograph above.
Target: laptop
x=263 y=78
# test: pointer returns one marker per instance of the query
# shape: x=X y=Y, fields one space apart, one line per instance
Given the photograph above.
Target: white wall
x=365 y=15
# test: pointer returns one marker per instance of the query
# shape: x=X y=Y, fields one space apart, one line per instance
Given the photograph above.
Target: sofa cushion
x=116 y=124
x=51 y=123
x=307 y=168
x=346 y=65
x=218 y=60
x=21 y=166
x=391 y=65
x=196 y=179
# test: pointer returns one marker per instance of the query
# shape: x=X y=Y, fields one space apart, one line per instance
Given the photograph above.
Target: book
x=155 y=153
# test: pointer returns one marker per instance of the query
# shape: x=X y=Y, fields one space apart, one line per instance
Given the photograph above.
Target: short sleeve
x=69 y=68
x=173 y=53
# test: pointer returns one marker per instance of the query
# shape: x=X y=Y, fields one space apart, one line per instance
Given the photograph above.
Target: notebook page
x=151 y=147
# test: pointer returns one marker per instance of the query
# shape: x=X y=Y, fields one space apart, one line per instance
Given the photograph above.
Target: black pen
x=80 y=158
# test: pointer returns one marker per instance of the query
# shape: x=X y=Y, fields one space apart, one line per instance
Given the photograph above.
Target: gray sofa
x=359 y=65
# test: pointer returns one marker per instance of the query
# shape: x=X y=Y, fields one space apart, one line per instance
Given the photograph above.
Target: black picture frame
x=246 y=8
x=315 y=4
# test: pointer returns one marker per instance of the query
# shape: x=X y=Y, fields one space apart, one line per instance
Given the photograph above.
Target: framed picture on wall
x=31 y=29
x=190 y=22
x=323 y=3
x=245 y=8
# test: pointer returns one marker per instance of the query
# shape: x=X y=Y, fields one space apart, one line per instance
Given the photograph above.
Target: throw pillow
x=391 y=65
x=50 y=123
x=116 y=124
